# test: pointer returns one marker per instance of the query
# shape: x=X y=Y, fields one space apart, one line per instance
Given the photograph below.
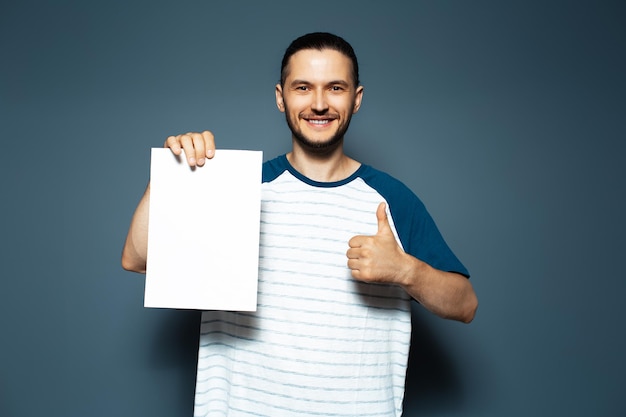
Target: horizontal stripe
x=317 y=323
x=311 y=349
x=324 y=387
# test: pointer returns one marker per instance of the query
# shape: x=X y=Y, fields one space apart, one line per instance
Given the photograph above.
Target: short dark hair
x=320 y=41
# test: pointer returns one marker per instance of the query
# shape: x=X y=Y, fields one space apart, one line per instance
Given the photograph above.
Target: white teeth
x=318 y=122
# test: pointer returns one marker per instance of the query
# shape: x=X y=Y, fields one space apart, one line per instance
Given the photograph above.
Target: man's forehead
x=314 y=61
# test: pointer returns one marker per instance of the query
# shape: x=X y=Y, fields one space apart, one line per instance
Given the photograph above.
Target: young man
x=343 y=250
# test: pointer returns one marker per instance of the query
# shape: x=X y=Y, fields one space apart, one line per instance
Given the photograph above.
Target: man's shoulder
x=274 y=167
x=383 y=182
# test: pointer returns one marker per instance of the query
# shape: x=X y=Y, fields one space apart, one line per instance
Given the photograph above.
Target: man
x=343 y=250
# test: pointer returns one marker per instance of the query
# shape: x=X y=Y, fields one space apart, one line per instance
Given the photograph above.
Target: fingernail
x=201 y=161
x=192 y=161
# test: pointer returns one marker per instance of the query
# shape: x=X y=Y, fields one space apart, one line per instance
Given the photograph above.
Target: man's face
x=318 y=97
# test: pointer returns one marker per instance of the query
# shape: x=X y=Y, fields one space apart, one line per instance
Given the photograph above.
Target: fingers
x=354 y=263
x=173 y=142
x=353 y=266
x=209 y=143
x=383 y=228
x=356 y=241
x=196 y=146
x=383 y=222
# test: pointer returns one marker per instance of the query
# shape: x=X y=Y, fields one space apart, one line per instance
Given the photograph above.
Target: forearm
x=197 y=148
x=446 y=294
x=135 y=250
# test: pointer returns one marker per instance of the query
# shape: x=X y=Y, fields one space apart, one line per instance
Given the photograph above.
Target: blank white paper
x=203 y=231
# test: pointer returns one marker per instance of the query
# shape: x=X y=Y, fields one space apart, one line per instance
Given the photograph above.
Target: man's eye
x=336 y=88
x=302 y=88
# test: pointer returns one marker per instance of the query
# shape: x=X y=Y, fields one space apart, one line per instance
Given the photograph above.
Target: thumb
x=383 y=221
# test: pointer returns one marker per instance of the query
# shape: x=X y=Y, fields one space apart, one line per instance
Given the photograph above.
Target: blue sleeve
x=416 y=228
x=273 y=168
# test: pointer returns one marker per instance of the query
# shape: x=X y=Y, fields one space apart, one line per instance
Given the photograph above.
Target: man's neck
x=331 y=167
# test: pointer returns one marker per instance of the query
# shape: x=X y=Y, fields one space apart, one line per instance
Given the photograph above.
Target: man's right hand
x=197 y=146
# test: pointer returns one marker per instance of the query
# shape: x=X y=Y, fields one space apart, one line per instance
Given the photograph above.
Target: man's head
x=320 y=41
x=319 y=91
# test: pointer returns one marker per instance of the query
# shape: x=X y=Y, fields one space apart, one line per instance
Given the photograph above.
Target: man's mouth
x=319 y=121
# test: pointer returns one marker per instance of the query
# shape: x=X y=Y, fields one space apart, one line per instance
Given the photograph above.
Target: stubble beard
x=320 y=148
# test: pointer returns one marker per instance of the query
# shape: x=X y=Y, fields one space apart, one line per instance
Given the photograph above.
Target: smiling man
x=316 y=102
x=344 y=249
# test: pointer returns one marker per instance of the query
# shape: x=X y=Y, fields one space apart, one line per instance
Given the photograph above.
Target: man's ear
x=279 y=98
x=358 y=99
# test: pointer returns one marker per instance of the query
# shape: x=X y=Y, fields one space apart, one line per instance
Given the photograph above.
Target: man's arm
x=447 y=294
x=135 y=250
x=197 y=148
x=380 y=259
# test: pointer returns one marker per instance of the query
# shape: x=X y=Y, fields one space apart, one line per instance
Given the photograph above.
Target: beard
x=318 y=147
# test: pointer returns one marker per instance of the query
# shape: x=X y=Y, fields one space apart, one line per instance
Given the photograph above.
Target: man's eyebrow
x=334 y=82
x=296 y=82
x=339 y=82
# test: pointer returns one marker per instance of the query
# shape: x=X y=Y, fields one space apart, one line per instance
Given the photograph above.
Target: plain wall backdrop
x=505 y=117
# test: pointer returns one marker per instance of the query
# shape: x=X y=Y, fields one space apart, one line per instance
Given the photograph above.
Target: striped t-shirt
x=320 y=343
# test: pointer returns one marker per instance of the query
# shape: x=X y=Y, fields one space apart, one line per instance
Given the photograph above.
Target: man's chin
x=321 y=146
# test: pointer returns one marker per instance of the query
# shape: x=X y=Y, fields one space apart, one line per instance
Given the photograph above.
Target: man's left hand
x=377 y=258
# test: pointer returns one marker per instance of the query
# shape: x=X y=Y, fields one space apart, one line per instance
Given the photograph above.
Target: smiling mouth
x=319 y=122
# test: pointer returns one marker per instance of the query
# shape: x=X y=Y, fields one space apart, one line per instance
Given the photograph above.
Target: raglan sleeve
x=419 y=234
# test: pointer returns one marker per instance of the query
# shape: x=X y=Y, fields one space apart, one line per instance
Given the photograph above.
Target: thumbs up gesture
x=377 y=258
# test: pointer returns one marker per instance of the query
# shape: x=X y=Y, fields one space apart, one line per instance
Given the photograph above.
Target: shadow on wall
x=433 y=384
x=175 y=338
x=174 y=346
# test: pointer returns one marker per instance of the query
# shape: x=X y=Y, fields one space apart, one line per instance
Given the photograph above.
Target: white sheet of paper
x=203 y=231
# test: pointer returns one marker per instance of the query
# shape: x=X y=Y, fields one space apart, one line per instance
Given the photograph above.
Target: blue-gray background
x=506 y=118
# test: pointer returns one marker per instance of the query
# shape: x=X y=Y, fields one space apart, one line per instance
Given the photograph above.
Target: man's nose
x=320 y=104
